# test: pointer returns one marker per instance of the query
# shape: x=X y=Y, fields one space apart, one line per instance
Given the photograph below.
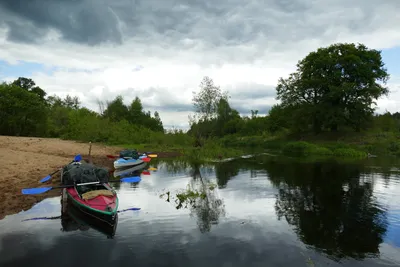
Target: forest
x=325 y=107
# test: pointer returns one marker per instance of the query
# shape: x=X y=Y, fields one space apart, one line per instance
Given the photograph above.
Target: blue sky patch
x=22 y=69
x=391 y=58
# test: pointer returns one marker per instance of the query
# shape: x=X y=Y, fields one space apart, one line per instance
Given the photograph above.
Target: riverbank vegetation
x=325 y=108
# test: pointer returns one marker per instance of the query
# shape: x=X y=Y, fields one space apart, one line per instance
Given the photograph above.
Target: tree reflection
x=201 y=198
x=330 y=208
x=225 y=171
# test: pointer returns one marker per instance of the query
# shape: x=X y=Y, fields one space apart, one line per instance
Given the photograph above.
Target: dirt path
x=25 y=160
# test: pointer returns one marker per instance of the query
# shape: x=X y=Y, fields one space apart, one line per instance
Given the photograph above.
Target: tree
x=336 y=86
x=29 y=85
x=71 y=102
x=206 y=101
x=116 y=110
x=21 y=112
x=136 y=113
x=158 y=121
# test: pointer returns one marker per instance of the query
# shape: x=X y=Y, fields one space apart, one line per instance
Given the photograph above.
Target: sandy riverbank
x=25 y=160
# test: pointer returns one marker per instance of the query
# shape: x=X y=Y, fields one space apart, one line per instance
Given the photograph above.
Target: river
x=261 y=211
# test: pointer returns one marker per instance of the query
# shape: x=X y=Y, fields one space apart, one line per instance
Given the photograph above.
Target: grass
x=345 y=144
x=339 y=145
x=210 y=151
x=301 y=148
x=187 y=197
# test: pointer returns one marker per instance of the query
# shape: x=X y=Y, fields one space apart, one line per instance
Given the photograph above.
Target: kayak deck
x=98 y=200
x=127 y=162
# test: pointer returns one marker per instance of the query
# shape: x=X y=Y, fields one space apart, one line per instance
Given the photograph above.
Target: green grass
x=210 y=151
x=345 y=144
x=307 y=149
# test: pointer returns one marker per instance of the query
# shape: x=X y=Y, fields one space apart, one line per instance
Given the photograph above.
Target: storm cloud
x=160 y=50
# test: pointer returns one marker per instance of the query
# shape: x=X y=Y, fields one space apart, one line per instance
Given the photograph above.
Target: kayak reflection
x=72 y=219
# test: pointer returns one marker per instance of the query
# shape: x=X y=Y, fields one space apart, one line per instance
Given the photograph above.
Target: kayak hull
x=121 y=163
x=101 y=207
x=80 y=217
x=129 y=170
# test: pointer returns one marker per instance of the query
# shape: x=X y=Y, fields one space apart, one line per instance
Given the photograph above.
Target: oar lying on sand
x=59 y=217
x=40 y=190
x=48 y=177
x=148 y=155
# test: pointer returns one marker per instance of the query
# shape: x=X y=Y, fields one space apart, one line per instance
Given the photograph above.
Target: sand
x=25 y=160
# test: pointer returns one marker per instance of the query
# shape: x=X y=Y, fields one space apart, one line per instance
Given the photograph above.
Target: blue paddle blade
x=35 y=191
x=42 y=218
x=129 y=209
x=78 y=158
x=45 y=179
x=134 y=179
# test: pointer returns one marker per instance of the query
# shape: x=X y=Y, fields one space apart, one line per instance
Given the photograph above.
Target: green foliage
x=25 y=111
x=308 y=149
x=304 y=149
x=211 y=150
x=335 y=86
x=22 y=111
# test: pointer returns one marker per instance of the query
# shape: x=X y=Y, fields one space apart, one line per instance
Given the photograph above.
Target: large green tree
x=22 y=112
x=29 y=85
x=335 y=86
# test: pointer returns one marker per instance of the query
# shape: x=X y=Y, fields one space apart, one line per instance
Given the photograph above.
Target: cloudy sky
x=160 y=50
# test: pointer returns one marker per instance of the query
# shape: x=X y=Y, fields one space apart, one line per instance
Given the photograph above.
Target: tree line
x=332 y=90
x=26 y=110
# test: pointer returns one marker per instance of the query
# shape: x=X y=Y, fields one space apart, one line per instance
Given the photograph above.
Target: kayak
x=129 y=170
x=90 y=191
x=119 y=163
x=96 y=200
x=73 y=219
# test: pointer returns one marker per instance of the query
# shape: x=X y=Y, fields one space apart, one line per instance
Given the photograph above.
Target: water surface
x=264 y=211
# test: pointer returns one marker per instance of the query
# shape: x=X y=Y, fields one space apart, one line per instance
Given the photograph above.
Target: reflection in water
x=73 y=219
x=339 y=209
x=201 y=197
x=331 y=205
x=330 y=208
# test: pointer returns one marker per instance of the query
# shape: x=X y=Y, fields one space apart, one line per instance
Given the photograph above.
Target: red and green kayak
x=90 y=191
x=96 y=200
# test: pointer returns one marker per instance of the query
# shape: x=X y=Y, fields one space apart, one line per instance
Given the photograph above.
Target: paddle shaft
x=65 y=186
x=48 y=177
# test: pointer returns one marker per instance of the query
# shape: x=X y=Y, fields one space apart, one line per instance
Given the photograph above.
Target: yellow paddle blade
x=152 y=169
x=152 y=155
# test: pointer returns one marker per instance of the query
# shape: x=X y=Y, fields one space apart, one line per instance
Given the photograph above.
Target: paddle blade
x=129 y=209
x=134 y=179
x=111 y=156
x=152 y=169
x=146 y=159
x=145 y=172
x=152 y=155
x=35 y=191
x=42 y=218
x=45 y=179
x=78 y=158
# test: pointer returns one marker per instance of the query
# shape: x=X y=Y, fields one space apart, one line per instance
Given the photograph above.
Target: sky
x=159 y=50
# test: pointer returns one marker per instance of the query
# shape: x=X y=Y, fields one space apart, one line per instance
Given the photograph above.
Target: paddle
x=41 y=190
x=48 y=177
x=145 y=172
x=114 y=157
